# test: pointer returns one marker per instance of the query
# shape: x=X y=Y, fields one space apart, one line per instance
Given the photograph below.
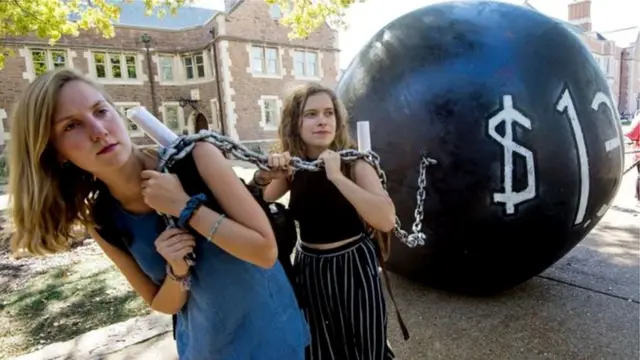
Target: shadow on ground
x=586 y=306
x=61 y=304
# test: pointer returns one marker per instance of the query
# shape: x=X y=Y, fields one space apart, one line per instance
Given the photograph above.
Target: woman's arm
x=275 y=190
x=368 y=196
x=168 y=298
x=246 y=233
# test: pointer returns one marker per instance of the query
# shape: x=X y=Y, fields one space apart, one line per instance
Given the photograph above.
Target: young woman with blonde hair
x=336 y=263
x=72 y=162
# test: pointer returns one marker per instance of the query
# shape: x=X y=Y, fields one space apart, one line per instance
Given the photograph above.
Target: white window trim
x=292 y=53
x=281 y=70
x=30 y=73
x=139 y=132
x=139 y=68
x=4 y=134
x=180 y=73
x=174 y=66
x=180 y=115
x=263 y=120
x=206 y=60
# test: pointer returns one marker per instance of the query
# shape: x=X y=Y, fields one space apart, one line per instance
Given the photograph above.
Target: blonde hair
x=47 y=200
x=289 y=128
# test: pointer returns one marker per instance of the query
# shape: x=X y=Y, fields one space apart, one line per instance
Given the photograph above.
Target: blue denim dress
x=235 y=310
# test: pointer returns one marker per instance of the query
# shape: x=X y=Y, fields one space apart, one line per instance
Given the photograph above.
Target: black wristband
x=255 y=179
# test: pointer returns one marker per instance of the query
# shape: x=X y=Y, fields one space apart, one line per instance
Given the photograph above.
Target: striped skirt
x=341 y=295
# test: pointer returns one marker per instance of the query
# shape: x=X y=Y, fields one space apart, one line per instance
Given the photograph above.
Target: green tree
x=52 y=19
x=305 y=16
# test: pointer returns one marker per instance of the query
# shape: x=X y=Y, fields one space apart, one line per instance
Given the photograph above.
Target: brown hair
x=47 y=200
x=289 y=128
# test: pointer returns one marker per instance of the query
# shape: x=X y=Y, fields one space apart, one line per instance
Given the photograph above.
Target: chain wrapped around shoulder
x=185 y=143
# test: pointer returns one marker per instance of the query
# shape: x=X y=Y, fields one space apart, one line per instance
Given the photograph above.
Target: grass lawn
x=80 y=293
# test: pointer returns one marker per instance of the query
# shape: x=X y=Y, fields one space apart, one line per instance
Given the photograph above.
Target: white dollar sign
x=509 y=115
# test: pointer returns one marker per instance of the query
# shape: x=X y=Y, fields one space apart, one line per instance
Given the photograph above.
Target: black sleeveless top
x=324 y=215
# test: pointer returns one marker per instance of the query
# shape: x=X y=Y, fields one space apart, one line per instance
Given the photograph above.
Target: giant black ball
x=522 y=123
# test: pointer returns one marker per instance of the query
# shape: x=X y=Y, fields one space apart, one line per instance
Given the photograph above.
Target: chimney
x=580 y=13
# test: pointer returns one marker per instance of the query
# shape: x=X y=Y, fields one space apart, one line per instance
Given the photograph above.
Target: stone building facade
x=227 y=71
x=617 y=52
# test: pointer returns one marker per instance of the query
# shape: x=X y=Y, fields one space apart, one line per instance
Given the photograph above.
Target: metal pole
x=147 y=40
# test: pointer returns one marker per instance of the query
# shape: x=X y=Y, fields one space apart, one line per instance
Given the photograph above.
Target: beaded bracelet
x=184 y=280
x=190 y=208
x=215 y=227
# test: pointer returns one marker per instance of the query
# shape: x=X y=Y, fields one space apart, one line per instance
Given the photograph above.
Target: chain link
x=185 y=143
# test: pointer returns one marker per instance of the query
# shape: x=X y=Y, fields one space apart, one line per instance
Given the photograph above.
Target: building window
x=305 y=63
x=166 y=68
x=115 y=66
x=264 y=60
x=122 y=108
x=270 y=112
x=45 y=60
x=171 y=117
x=194 y=66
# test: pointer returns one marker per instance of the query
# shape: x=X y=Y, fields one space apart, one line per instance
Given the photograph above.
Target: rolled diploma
x=364 y=136
x=153 y=127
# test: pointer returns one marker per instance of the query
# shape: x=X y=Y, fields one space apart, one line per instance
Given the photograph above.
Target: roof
x=626 y=37
x=133 y=14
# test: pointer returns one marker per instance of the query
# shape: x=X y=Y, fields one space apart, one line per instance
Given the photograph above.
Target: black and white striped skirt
x=341 y=295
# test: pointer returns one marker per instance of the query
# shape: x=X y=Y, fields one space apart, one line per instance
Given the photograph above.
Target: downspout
x=216 y=74
x=146 y=40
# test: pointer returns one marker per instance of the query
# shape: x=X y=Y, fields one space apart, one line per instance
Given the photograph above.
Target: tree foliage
x=305 y=16
x=52 y=19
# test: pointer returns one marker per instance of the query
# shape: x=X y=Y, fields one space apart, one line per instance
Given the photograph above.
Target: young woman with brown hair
x=336 y=262
x=72 y=162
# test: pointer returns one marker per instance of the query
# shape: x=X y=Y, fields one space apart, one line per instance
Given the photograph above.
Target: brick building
x=617 y=52
x=226 y=71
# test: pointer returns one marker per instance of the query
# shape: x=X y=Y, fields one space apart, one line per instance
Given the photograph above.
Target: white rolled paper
x=364 y=136
x=151 y=125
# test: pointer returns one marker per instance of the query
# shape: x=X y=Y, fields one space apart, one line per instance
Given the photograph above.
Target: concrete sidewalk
x=584 y=307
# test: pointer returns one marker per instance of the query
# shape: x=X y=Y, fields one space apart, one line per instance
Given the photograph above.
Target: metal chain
x=185 y=143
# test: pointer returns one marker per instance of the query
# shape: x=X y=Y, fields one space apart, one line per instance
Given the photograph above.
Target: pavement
x=586 y=306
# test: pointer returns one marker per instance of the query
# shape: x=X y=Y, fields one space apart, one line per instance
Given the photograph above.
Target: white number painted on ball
x=509 y=116
x=565 y=104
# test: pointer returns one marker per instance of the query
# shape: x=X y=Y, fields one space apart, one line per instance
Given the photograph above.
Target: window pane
x=257 y=59
x=59 y=59
x=312 y=63
x=171 y=115
x=272 y=61
x=200 y=71
x=166 y=68
x=132 y=72
x=101 y=71
x=39 y=61
x=298 y=63
x=116 y=70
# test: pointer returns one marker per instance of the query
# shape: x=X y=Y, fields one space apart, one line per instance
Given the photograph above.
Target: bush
x=4 y=169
